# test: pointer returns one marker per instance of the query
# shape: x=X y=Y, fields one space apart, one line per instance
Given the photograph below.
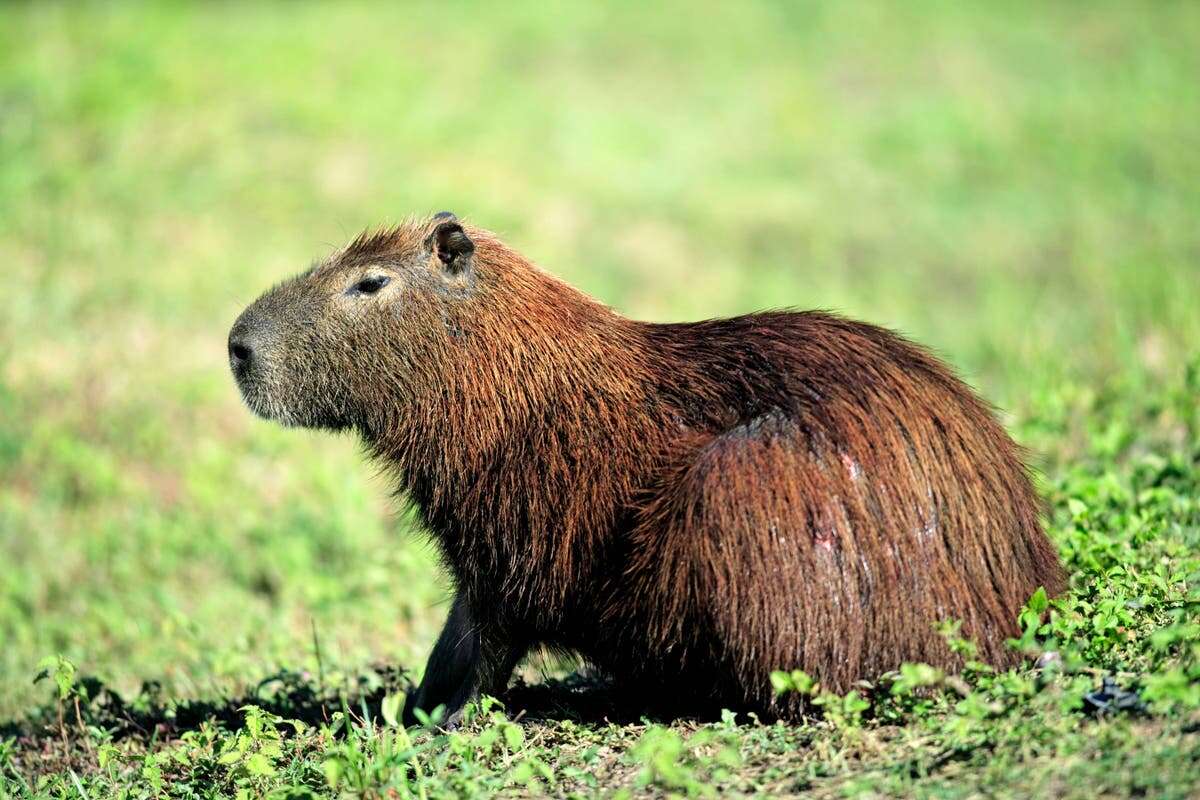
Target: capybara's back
x=687 y=506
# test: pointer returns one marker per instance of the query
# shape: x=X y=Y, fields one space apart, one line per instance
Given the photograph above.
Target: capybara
x=685 y=506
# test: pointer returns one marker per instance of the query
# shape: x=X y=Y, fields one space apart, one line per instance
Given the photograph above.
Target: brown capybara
x=686 y=506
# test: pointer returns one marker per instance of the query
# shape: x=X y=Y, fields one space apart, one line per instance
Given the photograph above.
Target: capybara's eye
x=371 y=285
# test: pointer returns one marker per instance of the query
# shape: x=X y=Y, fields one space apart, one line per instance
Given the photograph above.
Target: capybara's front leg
x=466 y=661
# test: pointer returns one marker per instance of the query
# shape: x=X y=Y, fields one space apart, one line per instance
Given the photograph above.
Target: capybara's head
x=321 y=349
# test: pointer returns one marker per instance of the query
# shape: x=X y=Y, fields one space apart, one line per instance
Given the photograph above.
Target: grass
x=1012 y=183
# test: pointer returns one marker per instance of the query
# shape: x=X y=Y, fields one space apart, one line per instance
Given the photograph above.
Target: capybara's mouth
x=257 y=396
x=255 y=399
x=265 y=404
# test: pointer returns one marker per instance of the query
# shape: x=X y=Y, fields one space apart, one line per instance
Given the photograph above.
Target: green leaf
x=1039 y=602
x=334 y=768
x=797 y=681
x=258 y=764
x=390 y=708
x=513 y=736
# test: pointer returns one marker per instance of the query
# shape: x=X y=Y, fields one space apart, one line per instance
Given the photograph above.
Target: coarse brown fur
x=688 y=506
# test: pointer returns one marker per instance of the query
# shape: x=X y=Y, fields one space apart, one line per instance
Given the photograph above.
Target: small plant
x=797 y=681
x=690 y=765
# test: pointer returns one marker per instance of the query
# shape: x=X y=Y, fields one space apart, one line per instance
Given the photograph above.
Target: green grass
x=1015 y=184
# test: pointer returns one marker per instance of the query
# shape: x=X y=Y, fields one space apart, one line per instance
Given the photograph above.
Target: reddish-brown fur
x=688 y=506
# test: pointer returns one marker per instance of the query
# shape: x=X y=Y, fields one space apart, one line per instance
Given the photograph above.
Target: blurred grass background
x=1013 y=183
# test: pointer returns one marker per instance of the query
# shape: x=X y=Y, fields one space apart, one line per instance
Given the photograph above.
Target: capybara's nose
x=240 y=353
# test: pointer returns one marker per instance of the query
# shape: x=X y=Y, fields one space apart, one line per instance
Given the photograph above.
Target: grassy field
x=1016 y=184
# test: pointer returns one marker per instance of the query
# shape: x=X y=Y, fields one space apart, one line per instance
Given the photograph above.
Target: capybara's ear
x=450 y=243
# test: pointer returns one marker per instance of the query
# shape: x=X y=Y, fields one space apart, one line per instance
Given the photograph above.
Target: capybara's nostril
x=239 y=353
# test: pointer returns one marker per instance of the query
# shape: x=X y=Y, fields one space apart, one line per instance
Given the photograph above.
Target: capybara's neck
x=539 y=419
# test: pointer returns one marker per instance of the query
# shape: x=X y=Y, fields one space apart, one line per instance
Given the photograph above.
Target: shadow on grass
x=55 y=738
